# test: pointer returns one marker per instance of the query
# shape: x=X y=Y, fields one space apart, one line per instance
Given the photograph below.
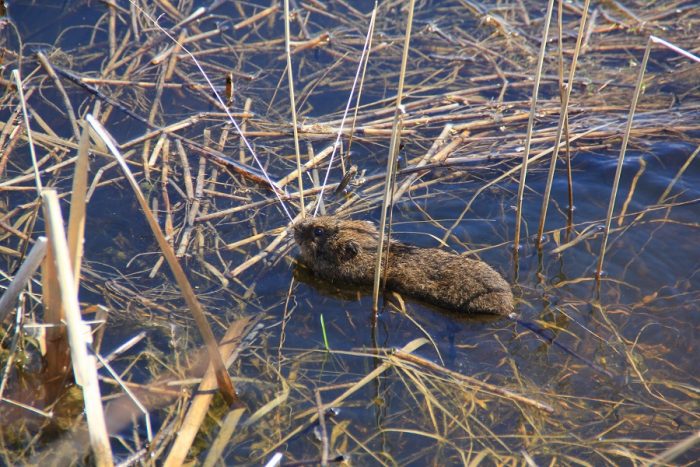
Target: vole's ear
x=350 y=250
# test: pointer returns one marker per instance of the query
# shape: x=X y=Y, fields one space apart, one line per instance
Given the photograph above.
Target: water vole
x=345 y=251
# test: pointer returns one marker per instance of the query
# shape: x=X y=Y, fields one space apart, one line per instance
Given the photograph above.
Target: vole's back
x=450 y=281
x=345 y=251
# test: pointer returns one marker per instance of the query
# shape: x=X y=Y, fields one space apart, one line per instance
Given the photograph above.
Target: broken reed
x=222 y=376
x=84 y=365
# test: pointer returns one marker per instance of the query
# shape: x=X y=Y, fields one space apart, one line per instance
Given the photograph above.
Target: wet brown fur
x=345 y=251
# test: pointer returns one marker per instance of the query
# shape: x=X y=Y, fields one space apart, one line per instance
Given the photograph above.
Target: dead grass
x=504 y=396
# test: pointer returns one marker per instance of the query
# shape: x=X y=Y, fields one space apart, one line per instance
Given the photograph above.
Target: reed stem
x=225 y=385
x=84 y=365
x=391 y=162
x=621 y=159
x=560 y=126
x=25 y=115
x=292 y=100
x=530 y=124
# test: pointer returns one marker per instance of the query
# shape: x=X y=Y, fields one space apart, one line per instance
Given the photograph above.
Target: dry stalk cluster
x=143 y=217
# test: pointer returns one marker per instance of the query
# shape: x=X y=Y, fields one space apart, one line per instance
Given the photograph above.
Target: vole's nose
x=298 y=232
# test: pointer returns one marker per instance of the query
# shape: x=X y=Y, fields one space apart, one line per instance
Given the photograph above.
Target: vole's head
x=328 y=238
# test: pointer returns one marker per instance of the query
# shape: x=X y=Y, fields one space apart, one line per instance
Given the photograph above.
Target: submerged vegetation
x=150 y=169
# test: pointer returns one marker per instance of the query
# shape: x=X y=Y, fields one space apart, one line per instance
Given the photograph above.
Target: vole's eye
x=318 y=232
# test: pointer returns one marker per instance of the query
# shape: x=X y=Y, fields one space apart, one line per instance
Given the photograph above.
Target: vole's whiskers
x=223 y=106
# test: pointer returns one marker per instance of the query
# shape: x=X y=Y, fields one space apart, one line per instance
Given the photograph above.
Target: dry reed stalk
x=50 y=141
x=631 y=191
x=169 y=228
x=262 y=14
x=29 y=266
x=263 y=203
x=155 y=105
x=257 y=175
x=244 y=129
x=198 y=191
x=678 y=175
x=391 y=162
x=10 y=359
x=76 y=218
x=625 y=140
x=268 y=407
x=220 y=194
x=322 y=428
x=28 y=408
x=262 y=254
x=140 y=84
x=569 y=175
x=480 y=385
x=674 y=451
x=449 y=409
x=125 y=42
x=219 y=101
x=504 y=176
x=320 y=40
x=112 y=32
x=312 y=163
x=78 y=334
x=372 y=23
x=166 y=130
x=167 y=208
x=438 y=153
x=292 y=103
x=5 y=226
x=225 y=385
x=228 y=426
x=57 y=352
x=563 y=115
x=6 y=151
x=530 y=125
x=28 y=129
x=313 y=413
x=585 y=234
x=591 y=230
x=172 y=62
x=204 y=207
x=337 y=143
x=386 y=205
x=392 y=190
x=62 y=91
x=35 y=116
x=186 y=175
x=162 y=391
x=10 y=131
x=275 y=460
x=200 y=402
x=252 y=239
x=315 y=178
x=132 y=397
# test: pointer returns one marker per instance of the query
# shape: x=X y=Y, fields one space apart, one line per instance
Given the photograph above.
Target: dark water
x=649 y=290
